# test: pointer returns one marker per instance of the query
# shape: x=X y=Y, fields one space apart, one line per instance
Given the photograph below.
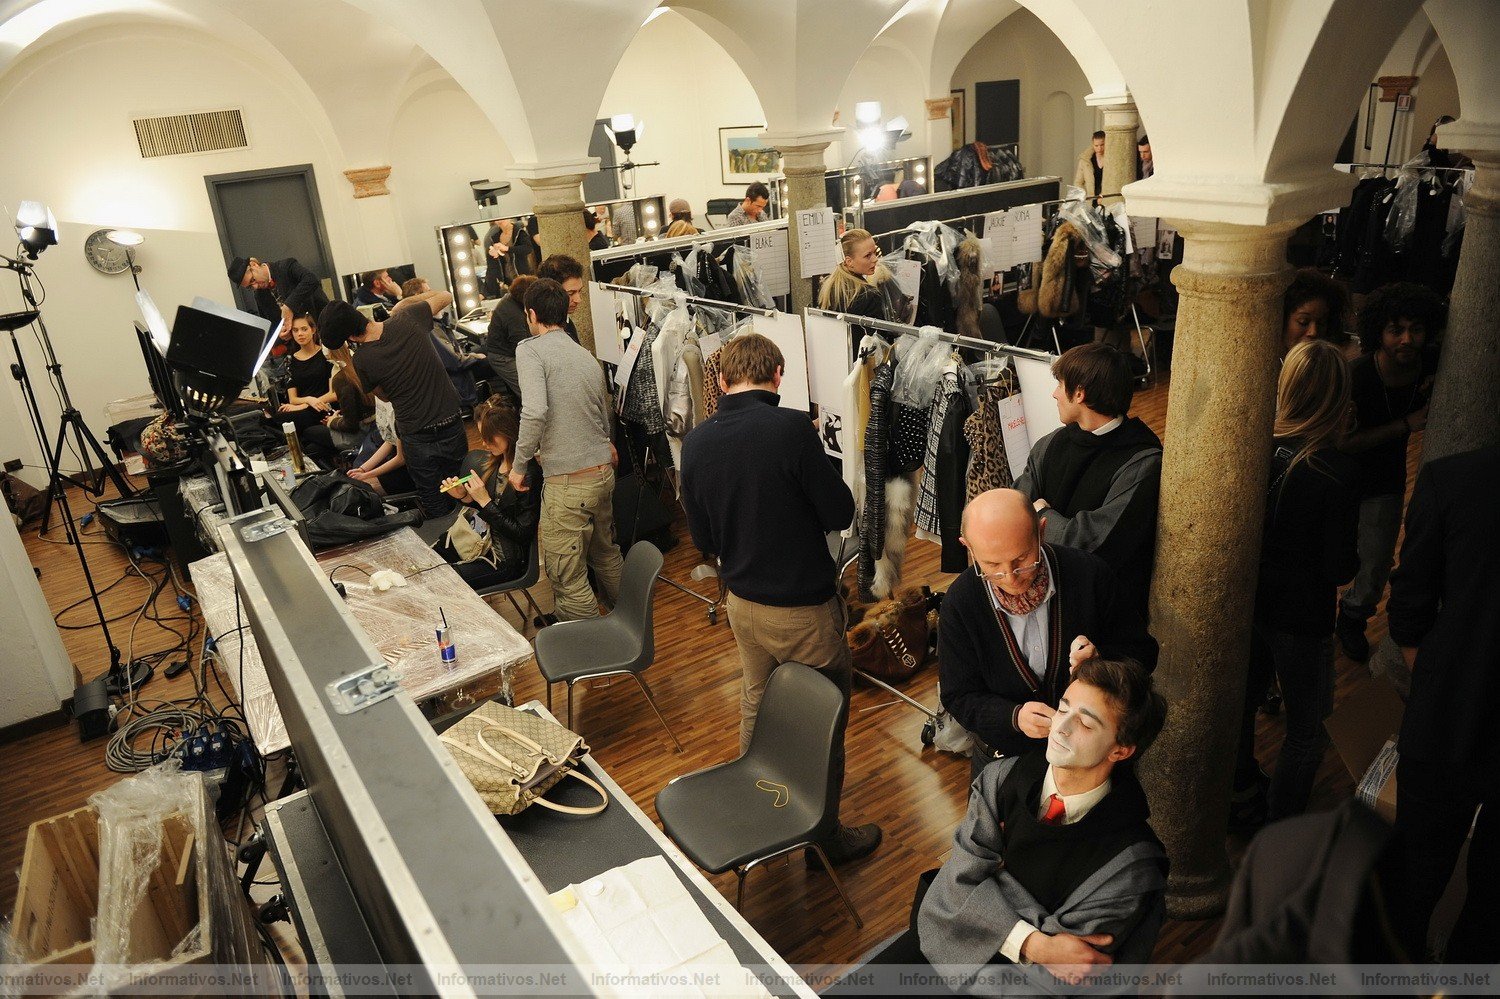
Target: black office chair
x=620 y=643
x=524 y=583
x=720 y=208
x=779 y=797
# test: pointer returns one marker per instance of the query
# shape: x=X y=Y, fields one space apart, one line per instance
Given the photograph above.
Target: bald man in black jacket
x=1008 y=641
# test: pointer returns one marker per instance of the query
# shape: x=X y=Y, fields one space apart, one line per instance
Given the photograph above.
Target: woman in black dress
x=493 y=506
x=310 y=397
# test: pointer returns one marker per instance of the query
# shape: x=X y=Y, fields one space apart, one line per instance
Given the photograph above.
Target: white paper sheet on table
x=639 y=924
x=818 y=242
x=785 y=330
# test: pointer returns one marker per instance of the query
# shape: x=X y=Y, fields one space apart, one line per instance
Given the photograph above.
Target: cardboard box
x=1360 y=728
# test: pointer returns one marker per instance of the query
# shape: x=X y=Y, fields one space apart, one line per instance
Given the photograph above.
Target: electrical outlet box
x=13 y=465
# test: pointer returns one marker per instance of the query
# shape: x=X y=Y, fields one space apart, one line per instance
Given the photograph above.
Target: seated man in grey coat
x=1054 y=864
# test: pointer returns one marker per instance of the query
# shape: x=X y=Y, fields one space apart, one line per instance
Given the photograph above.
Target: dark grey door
x=271 y=214
x=997 y=112
x=604 y=185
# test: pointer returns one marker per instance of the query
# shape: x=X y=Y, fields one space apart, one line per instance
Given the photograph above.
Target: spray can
x=446 y=652
x=294 y=447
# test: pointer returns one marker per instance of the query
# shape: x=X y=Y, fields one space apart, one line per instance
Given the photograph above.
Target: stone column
x=802 y=162
x=1214 y=467
x=557 y=199
x=1121 y=127
x=1465 y=411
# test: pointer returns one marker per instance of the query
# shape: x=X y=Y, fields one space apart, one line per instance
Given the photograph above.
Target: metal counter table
x=560 y=850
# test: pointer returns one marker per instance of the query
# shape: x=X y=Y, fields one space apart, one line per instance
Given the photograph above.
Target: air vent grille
x=202 y=132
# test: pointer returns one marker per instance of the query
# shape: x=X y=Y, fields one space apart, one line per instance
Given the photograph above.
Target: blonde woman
x=1308 y=551
x=849 y=288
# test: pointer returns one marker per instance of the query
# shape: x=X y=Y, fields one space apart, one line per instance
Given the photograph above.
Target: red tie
x=1055 y=811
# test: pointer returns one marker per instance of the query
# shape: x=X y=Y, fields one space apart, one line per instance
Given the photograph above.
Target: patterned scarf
x=1019 y=605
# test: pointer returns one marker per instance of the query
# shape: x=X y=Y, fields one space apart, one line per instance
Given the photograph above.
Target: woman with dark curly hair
x=1390 y=382
x=1313 y=309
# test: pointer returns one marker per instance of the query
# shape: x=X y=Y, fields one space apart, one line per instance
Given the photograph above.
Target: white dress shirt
x=1112 y=424
x=1075 y=807
x=1030 y=629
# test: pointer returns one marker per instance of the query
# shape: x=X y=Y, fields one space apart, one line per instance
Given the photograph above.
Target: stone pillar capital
x=939 y=108
x=369 y=182
x=1112 y=97
x=802 y=152
x=555 y=187
x=1244 y=203
x=1234 y=253
x=1121 y=118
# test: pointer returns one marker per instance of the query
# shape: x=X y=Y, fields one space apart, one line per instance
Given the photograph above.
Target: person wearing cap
x=396 y=361
x=283 y=288
x=680 y=219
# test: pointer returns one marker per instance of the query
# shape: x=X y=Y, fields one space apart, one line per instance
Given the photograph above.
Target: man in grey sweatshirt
x=565 y=426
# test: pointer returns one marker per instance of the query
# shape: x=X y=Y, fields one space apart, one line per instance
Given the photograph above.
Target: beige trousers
x=577 y=533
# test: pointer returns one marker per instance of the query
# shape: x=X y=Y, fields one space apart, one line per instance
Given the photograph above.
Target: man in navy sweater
x=762 y=496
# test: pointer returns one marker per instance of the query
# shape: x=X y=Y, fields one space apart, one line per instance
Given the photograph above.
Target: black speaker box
x=136 y=522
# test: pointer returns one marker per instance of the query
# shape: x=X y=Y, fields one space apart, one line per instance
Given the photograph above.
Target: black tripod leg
x=56 y=484
x=88 y=442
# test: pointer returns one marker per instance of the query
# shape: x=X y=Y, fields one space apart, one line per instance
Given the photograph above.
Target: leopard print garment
x=988 y=466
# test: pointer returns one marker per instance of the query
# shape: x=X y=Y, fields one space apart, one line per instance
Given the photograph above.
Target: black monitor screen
x=225 y=343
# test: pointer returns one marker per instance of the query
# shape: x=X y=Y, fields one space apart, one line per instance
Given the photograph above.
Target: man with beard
x=1389 y=385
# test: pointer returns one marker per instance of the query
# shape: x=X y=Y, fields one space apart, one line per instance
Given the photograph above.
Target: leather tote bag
x=514 y=757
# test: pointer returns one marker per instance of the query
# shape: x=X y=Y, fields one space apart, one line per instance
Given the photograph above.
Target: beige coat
x=1084 y=176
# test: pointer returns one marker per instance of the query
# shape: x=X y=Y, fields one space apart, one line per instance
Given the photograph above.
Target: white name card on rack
x=1166 y=243
x=827 y=367
x=627 y=365
x=817 y=241
x=1013 y=431
x=1143 y=232
x=1037 y=386
x=607 y=307
x=1026 y=224
x=769 y=251
x=785 y=330
x=995 y=247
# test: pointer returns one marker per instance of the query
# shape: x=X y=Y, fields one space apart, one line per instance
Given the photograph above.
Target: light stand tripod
x=70 y=421
x=117 y=679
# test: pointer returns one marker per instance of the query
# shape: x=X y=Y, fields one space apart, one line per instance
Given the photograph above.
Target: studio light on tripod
x=624 y=131
x=36 y=227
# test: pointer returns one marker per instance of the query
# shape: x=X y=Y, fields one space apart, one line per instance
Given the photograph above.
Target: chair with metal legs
x=779 y=797
x=524 y=584
x=620 y=643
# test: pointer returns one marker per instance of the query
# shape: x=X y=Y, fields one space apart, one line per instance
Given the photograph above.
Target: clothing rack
x=957 y=339
x=710 y=303
x=713 y=236
x=1399 y=166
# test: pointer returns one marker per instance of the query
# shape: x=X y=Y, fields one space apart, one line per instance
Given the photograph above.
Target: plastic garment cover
x=1402 y=218
x=936 y=242
x=686 y=268
x=1090 y=224
x=919 y=368
x=747 y=277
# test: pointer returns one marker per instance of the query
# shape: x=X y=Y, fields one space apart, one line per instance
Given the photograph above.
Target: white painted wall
x=442 y=140
x=38 y=674
x=685 y=87
x=69 y=106
x=1022 y=48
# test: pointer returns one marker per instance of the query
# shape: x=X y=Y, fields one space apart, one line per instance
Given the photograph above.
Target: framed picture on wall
x=744 y=157
x=960 y=119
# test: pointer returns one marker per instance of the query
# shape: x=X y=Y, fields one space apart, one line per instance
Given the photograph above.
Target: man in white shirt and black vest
x=1097 y=478
x=1054 y=864
x=1022 y=617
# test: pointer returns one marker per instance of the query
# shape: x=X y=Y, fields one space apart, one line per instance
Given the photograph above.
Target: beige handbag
x=513 y=757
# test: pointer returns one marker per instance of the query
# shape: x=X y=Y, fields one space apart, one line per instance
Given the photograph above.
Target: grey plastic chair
x=620 y=643
x=524 y=584
x=779 y=797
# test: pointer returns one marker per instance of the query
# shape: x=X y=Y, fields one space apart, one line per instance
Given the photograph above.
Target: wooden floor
x=917 y=795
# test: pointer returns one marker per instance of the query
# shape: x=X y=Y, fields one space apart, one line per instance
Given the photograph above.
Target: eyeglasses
x=1020 y=572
